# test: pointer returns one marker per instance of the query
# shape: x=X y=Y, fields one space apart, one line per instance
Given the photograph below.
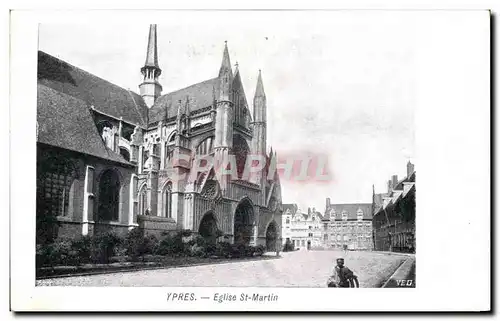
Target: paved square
x=294 y=269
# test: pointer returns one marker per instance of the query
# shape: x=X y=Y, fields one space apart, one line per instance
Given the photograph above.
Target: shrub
x=200 y=241
x=223 y=249
x=106 y=245
x=259 y=250
x=84 y=249
x=289 y=246
x=172 y=245
x=186 y=233
x=198 y=251
x=250 y=251
x=137 y=244
x=78 y=251
x=47 y=227
x=59 y=252
x=239 y=250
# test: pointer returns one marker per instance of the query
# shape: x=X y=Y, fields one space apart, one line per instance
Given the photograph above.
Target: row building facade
x=394 y=214
x=348 y=225
x=303 y=230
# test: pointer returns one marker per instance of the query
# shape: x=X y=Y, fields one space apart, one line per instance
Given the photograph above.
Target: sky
x=337 y=83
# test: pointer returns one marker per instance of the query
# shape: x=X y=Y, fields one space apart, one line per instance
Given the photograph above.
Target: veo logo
x=404 y=283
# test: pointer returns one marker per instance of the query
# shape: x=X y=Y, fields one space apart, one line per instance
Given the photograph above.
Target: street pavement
x=293 y=269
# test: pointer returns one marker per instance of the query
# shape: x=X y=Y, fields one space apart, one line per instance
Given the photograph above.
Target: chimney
x=328 y=202
x=309 y=211
x=410 y=168
x=394 y=181
x=389 y=186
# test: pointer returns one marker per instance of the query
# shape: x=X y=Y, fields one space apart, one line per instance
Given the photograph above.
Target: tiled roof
x=66 y=122
x=200 y=95
x=396 y=195
x=319 y=215
x=291 y=207
x=351 y=210
x=106 y=97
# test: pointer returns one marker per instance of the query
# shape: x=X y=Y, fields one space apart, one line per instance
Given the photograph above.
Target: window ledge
x=155 y=218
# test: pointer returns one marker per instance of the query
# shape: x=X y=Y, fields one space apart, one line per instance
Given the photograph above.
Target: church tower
x=150 y=88
x=224 y=113
x=259 y=140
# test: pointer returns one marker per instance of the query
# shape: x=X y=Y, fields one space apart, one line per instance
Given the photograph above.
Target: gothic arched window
x=56 y=187
x=169 y=148
x=166 y=201
x=205 y=147
x=143 y=200
x=109 y=196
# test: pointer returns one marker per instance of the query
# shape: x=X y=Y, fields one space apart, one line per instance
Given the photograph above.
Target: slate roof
x=66 y=122
x=106 y=97
x=200 y=95
x=318 y=214
x=397 y=193
x=351 y=210
x=306 y=216
x=292 y=207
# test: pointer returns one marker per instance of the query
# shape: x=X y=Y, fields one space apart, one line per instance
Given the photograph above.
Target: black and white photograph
x=243 y=154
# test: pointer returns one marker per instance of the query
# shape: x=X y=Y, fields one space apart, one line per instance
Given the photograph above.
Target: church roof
x=66 y=122
x=200 y=95
x=351 y=210
x=106 y=97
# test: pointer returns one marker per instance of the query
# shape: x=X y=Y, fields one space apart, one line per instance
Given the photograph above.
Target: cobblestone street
x=294 y=269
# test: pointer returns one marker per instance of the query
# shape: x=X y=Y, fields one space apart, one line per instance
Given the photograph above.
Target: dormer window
x=332 y=215
x=359 y=215
x=344 y=215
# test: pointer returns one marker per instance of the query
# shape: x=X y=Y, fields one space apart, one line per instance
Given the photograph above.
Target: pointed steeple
x=236 y=70
x=187 y=108
x=226 y=63
x=152 y=51
x=259 y=101
x=150 y=88
x=225 y=77
x=179 y=110
x=259 y=91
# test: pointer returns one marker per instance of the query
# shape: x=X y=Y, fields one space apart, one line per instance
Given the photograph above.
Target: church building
x=106 y=156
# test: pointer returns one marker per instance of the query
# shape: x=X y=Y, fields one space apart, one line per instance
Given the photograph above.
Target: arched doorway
x=208 y=228
x=109 y=196
x=271 y=236
x=243 y=222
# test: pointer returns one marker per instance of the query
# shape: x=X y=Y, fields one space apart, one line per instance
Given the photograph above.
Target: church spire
x=259 y=101
x=152 y=53
x=259 y=91
x=225 y=76
x=150 y=88
x=225 y=67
